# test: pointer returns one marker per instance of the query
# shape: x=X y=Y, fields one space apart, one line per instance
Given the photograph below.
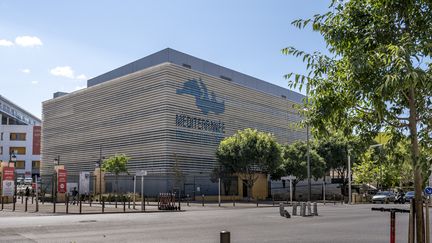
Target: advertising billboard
x=8 y=182
x=61 y=181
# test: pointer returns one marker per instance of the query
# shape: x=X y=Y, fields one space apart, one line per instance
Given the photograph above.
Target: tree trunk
x=294 y=191
x=418 y=180
x=116 y=189
x=227 y=186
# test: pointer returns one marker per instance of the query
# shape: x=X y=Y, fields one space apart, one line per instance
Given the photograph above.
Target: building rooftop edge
x=21 y=109
x=200 y=65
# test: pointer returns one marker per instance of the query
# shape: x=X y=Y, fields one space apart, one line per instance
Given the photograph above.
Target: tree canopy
x=116 y=164
x=294 y=162
x=247 y=153
x=376 y=76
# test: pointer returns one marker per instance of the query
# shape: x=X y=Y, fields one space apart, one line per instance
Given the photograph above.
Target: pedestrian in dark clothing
x=27 y=192
x=74 y=196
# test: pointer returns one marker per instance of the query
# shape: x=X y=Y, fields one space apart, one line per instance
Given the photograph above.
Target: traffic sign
x=428 y=190
x=141 y=173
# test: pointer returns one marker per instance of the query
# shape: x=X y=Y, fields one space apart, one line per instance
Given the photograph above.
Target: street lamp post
x=12 y=158
x=349 y=176
x=99 y=165
x=308 y=163
x=306 y=109
x=56 y=163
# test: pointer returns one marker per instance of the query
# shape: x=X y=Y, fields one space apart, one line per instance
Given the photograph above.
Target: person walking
x=74 y=196
x=27 y=192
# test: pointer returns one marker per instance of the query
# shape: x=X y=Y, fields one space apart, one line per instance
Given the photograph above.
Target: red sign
x=36 y=140
x=8 y=173
x=8 y=184
x=61 y=181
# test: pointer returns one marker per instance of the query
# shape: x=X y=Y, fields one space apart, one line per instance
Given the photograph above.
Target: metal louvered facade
x=162 y=115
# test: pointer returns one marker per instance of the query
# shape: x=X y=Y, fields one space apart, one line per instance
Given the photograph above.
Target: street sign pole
x=37 y=194
x=428 y=192
x=134 y=195
x=142 y=193
x=141 y=173
x=219 y=191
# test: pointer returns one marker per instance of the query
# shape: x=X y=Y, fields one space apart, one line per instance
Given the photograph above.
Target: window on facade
x=226 y=78
x=187 y=65
x=20 y=164
x=1 y=150
x=1 y=136
x=17 y=150
x=17 y=136
x=35 y=164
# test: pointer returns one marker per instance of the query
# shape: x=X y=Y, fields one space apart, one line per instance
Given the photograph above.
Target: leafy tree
x=116 y=164
x=248 y=153
x=333 y=148
x=375 y=75
x=294 y=163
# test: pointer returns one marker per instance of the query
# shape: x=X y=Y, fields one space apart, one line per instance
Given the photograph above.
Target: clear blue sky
x=49 y=46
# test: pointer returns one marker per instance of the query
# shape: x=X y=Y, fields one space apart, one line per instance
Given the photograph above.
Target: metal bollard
x=25 y=206
x=103 y=205
x=202 y=198
x=315 y=209
x=257 y=202
x=115 y=201
x=143 y=203
x=80 y=206
x=37 y=204
x=124 y=205
x=281 y=209
x=225 y=237
x=14 y=202
x=303 y=209
x=54 y=203
x=309 y=209
x=67 y=204
x=294 y=208
x=233 y=202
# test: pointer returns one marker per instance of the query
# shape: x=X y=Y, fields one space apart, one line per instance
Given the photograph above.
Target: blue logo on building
x=203 y=101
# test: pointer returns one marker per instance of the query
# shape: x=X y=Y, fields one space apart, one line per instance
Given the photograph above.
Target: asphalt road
x=336 y=223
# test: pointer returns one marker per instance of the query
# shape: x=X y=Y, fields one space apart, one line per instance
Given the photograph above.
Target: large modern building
x=167 y=111
x=20 y=134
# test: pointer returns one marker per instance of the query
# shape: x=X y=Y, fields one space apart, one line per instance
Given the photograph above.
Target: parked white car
x=383 y=197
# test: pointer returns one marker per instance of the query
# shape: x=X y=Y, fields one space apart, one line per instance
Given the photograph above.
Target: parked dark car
x=409 y=196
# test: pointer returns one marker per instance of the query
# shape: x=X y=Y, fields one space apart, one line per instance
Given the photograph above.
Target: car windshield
x=410 y=193
x=384 y=193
